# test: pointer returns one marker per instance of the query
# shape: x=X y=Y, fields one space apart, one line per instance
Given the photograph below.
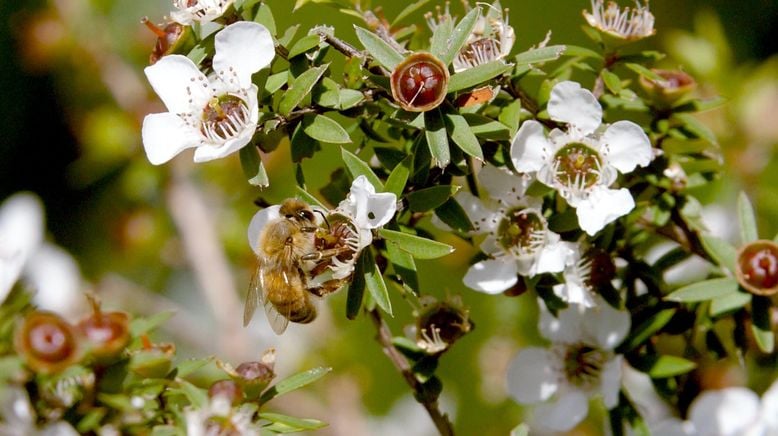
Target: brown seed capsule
x=757 y=267
x=674 y=86
x=419 y=83
x=252 y=377
x=47 y=343
x=171 y=38
x=107 y=332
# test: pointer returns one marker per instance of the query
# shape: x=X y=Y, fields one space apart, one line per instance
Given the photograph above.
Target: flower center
x=50 y=342
x=419 y=83
x=758 y=267
x=522 y=230
x=583 y=365
x=577 y=166
x=224 y=117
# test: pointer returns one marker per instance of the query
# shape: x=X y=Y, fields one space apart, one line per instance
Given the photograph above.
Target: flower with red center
x=419 y=83
x=46 y=342
x=757 y=267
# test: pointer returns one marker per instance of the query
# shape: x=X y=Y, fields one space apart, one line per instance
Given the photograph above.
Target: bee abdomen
x=304 y=315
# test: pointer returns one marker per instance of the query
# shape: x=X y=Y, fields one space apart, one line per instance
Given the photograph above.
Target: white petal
x=573 y=293
x=165 y=135
x=369 y=210
x=21 y=232
x=59 y=428
x=605 y=325
x=770 y=407
x=531 y=377
x=258 y=222
x=54 y=276
x=491 y=276
x=480 y=216
x=602 y=207
x=724 y=412
x=625 y=146
x=565 y=327
x=571 y=104
x=530 y=148
x=244 y=48
x=551 y=258
x=178 y=82
x=206 y=152
x=500 y=183
x=564 y=413
x=610 y=382
x=673 y=427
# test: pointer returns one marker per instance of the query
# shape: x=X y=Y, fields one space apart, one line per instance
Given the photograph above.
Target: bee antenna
x=324 y=217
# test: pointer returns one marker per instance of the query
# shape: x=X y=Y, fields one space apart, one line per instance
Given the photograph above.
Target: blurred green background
x=73 y=99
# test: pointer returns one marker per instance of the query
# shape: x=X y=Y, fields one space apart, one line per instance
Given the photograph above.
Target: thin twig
x=347 y=49
x=384 y=337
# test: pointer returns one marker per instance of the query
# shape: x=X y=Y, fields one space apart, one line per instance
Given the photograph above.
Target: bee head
x=296 y=210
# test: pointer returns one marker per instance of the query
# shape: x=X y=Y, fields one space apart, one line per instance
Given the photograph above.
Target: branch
x=384 y=337
x=347 y=49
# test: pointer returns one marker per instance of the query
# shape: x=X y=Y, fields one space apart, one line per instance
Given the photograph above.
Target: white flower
x=217 y=417
x=581 y=163
x=733 y=411
x=518 y=239
x=628 y=24
x=203 y=11
x=17 y=417
x=218 y=114
x=576 y=288
x=49 y=271
x=579 y=364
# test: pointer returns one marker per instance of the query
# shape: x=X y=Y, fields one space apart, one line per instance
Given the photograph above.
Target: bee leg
x=308 y=229
x=325 y=254
x=326 y=288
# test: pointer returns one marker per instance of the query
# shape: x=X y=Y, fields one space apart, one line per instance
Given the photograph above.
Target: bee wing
x=254 y=296
x=277 y=321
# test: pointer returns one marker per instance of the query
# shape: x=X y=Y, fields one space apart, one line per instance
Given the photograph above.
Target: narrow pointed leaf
x=460 y=34
x=325 y=129
x=647 y=328
x=382 y=52
x=437 y=139
x=703 y=291
x=645 y=72
x=728 y=303
x=399 y=177
x=308 y=198
x=356 y=289
x=430 y=198
x=477 y=75
x=253 y=167
x=139 y=326
x=761 y=324
x=411 y=8
x=374 y=282
x=463 y=135
x=540 y=55
x=418 y=247
x=294 y=382
x=300 y=88
x=665 y=366
x=745 y=212
x=721 y=251
x=454 y=216
x=439 y=42
x=303 y=45
x=403 y=265
x=357 y=167
x=291 y=423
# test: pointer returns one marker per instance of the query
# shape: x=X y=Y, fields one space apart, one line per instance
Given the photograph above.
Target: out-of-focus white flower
x=17 y=417
x=217 y=115
x=518 y=239
x=582 y=163
x=579 y=364
x=218 y=417
x=576 y=288
x=734 y=411
x=49 y=271
x=189 y=11
x=629 y=24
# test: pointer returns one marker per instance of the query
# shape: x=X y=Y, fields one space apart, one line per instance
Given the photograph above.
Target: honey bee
x=292 y=249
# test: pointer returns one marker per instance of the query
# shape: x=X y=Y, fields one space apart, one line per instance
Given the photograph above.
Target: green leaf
x=540 y=55
x=665 y=366
x=265 y=17
x=647 y=328
x=302 y=145
x=349 y=98
x=189 y=366
x=439 y=42
x=374 y=282
x=476 y=75
x=294 y=382
x=398 y=178
x=454 y=216
x=574 y=50
x=703 y=291
x=745 y=211
x=487 y=128
x=416 y=246
x=645 y=72
x=253 y=167
x=728 y=303
x=459 y=36
x=300 y=88
x=308 y=198
x=612 y=81
x=761 y=324
x=695 y=127
x=304 y=44
x=382 y=52
x=294 y=424
x=325 y=129
x=520 y=430
x=357 y=167
x=197 y=397
x=411 y=8
x=437 y=138
x=511 y=116
x=721 y=251
x=404 y=266
x=430 y=198
x=276 y=81
x=463 y=136
x=140 y=326
x=356 y=289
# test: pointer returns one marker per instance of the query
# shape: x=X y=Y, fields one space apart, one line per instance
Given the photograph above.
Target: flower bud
x=46 y=342
x=107 y=332
x=153 y=360
x=252 y=377
x=419 y=83
x=227 y=389
x=173 y=38
x=757 y=267
x=441 y=323
x=674 y=86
